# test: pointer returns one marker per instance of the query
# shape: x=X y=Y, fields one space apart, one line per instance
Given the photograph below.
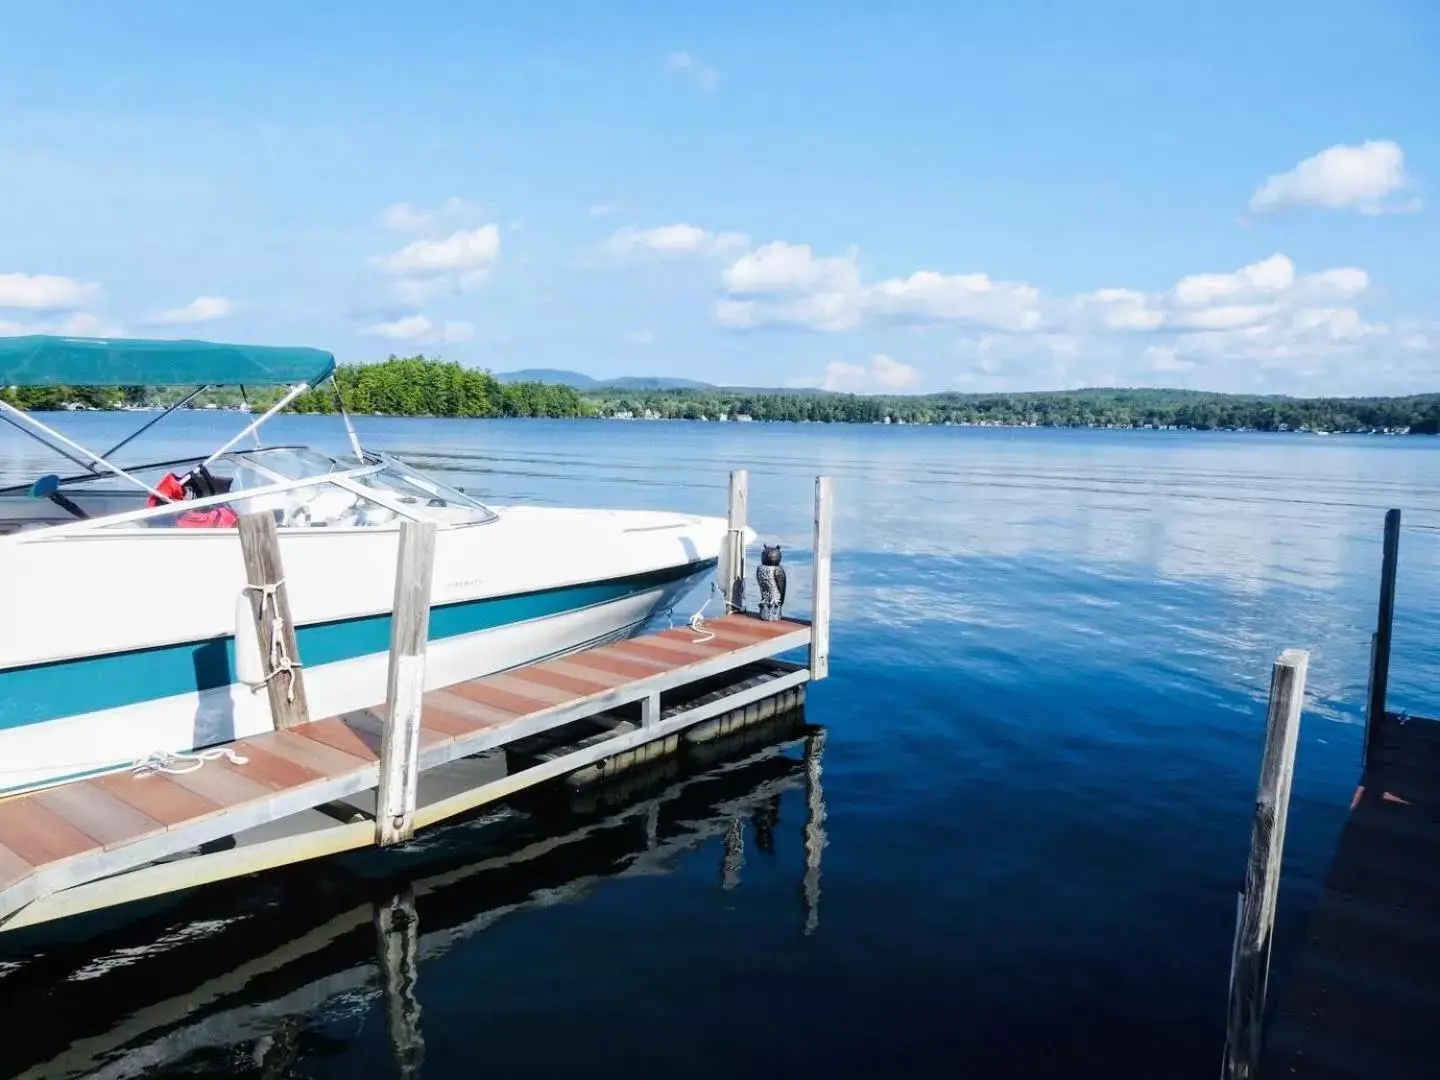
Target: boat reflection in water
x=252 y=979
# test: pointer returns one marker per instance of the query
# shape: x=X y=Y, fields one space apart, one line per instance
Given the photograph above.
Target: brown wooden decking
x=1363 y=997
x=86 y=829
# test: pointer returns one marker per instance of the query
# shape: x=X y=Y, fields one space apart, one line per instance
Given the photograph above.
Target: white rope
x=163 y=761
x=279 y=659
x=697 y=621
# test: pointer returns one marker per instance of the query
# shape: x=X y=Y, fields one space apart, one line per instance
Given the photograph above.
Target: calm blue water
x=1041 y=740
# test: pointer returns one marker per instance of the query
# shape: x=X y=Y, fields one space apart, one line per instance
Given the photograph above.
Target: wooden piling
x=270 y=605
x=732 y=558
x=820 y=616
x=409 y=631
x=1250 y=963
x=1380 y=642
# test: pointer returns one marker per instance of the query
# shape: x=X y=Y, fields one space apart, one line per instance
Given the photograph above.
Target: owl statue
x=771 y=577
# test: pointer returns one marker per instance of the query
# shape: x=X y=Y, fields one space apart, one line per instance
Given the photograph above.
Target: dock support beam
x=732 y=557
x=1380 y=642
x=1250 y=962
x=820 y=592
x=270 y=606
x=409 y=631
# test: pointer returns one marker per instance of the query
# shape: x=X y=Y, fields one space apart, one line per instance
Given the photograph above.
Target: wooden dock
x=1363 y=996
x=63 y=837
x=372 y=777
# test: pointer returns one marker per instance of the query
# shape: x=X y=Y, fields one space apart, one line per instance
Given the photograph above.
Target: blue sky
x=971 y=196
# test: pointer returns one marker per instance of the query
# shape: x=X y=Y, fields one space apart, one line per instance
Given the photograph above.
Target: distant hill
x=552 y=376
x=579 y=381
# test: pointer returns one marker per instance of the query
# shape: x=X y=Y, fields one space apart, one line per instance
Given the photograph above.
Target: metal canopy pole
x=136 y=434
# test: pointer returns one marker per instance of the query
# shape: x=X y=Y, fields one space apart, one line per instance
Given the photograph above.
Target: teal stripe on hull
x=32 y=695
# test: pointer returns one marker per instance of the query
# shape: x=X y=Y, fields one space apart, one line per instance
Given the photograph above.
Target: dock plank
x=156 y=796
x=524 y=683
x=587 y=680
x=13 y=869
x=613 y=663
x=501 y=699
x=39 y=835
x=338 y=735
x=97 y=813
x=324 y=759
x=454 y=705
x=442 y=725
x=672 y=656
x=275 y=772
x=225 y=788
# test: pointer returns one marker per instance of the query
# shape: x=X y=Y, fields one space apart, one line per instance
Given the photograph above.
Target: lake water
x=1041 y=739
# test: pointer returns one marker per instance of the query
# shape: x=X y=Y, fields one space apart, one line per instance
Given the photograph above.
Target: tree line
x=1140 y=408
x=398 y=386
x=421 y=386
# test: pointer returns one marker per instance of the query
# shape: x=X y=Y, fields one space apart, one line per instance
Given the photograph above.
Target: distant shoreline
x=422 y=386
x=1281 y=430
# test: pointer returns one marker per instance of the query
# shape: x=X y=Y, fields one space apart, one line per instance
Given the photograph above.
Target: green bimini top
x=39 y=360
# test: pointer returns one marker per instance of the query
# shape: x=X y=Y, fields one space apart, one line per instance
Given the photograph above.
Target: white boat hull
x=149 y=662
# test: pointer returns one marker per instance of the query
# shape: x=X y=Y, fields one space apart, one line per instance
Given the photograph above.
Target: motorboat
x=127 y=625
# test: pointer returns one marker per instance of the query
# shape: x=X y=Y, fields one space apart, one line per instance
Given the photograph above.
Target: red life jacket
x=208 y=517
x=170 y=487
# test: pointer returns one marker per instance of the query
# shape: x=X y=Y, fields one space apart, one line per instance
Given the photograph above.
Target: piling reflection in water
x=254 y=979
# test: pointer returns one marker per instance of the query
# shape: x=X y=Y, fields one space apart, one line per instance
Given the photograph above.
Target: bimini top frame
x=40 y=360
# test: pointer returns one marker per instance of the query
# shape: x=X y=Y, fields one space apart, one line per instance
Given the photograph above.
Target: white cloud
x=466 y=249
x=1344 y=177
x=600 y=210
x=75 y=324
x=1270 y=275
x=892 y=374
x=44 y=292
x=1265 y=326
x=928 y=295
x=640 y=337
x=782 y=284
x=403 y=217
x=882 y=375
x=1166 y=358
x=420 y=329
x=691 y=67
x=779 y=267
x=201 y=309
x=426 y=268
x=670 y=241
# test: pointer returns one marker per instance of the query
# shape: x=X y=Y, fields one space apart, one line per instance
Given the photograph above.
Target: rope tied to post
x=279 y=660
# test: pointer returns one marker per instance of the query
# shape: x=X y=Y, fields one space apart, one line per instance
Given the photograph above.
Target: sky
x=911 y=197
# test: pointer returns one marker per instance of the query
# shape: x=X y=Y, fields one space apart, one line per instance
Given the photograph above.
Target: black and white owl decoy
x=771 y=577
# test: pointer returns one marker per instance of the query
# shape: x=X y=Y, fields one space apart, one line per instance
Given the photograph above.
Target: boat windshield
x=305 y=489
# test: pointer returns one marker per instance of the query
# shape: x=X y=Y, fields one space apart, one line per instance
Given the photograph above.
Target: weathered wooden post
x=270 y=606
x=820 y=614
x=1380 y=641
x=1250 y=963
x=405 y=689
x=732 y=555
